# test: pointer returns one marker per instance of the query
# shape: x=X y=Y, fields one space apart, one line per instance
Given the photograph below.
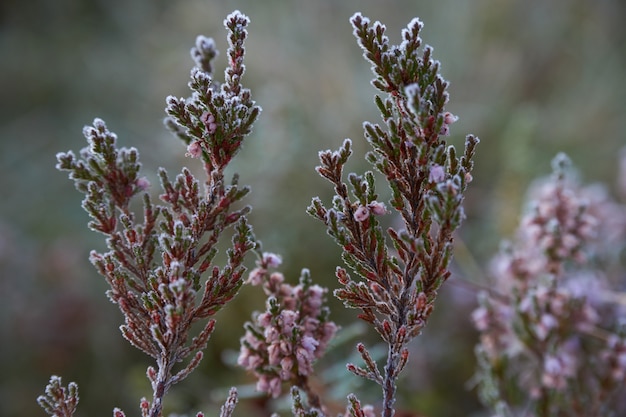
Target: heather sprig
x=216 y=118
x=398 y=284
x=59 y=401
x=552 y=341
x=282 y=343
x=160 y=270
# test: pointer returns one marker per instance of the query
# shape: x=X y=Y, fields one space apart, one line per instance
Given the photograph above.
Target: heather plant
x=155 y=265
x=397 y=285
x=162 y=268
x=552 y=335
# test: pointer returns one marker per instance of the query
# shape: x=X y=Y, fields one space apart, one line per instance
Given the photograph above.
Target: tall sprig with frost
x=552 y=335
x=397 y=285
x=161 y=268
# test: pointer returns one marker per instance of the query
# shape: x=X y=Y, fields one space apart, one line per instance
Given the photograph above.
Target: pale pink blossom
x=274 y=354
x=368 y=411
x=256 y=276
x=377 y=208
x=305 y=359
x=292 y=335
x=361 y=214
x=449 y=118
x=436 y=174
x=194 y=149
x=329 y=329
x=480 y=317
x=314 y=300
x=289 y=318
x=269 y=384
x=557 y=369
x=271 y=334
x=547 y=322
x=309 y=343
x=276 y=280
x=286 y=364
x=142 y=183
x=209 y=122
x=272 y=260
x=264 y=319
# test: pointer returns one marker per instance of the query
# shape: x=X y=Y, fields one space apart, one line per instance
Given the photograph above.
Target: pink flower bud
x=309 y=344
x=274 y=355
x=194 y=149
x=436 y=174
x=256 y=276
x=286 y=363
x=361 y=214
x=144 y=404
x=264 y=319
x=276 y=278
x=269 y=384
x=152 y=376
x=209 y=122
x=368 y=411
x=207 y=118
x=289 y=321
x=377 y=208
x=272 y=260
x=480 y=317
x=449 y=118
x=142 y=183
x=304 y=358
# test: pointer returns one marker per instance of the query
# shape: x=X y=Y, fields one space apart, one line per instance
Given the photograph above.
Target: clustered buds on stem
x=281 y=344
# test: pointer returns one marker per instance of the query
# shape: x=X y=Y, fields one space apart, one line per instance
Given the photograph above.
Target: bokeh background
x=529 y=77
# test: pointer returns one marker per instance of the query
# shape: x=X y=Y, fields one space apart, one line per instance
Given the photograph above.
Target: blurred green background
x=529 y=77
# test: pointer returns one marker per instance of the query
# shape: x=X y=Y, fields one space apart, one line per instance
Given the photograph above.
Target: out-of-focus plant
x=552 y=336
x=161 y=269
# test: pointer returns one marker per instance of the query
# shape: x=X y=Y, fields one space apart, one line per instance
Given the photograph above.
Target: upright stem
x=313 y=398
x=157 y=400
x=389 y=383
x=160 y=388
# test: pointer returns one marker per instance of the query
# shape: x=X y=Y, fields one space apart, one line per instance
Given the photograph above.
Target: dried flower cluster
x=551 y=339
x=397 y=285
